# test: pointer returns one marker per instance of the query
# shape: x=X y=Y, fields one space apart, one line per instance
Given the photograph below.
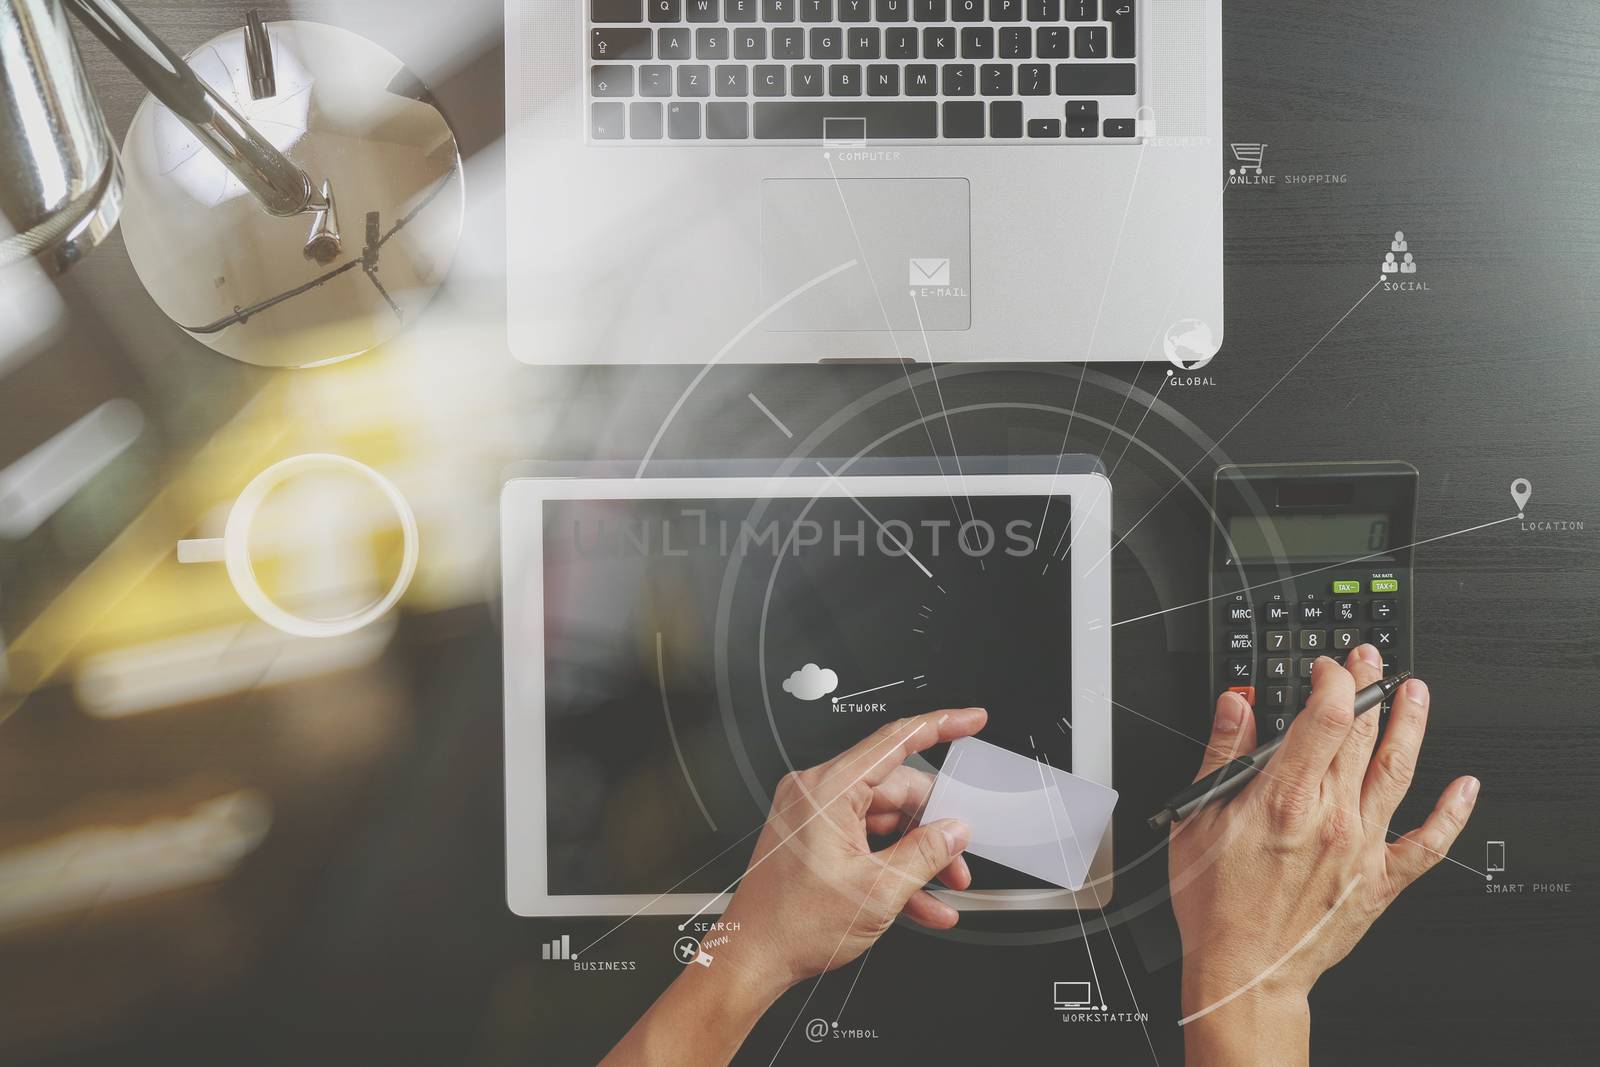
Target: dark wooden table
x=383 y=935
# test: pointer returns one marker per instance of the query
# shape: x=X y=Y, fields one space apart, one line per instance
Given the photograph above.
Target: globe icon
x=1189 y=344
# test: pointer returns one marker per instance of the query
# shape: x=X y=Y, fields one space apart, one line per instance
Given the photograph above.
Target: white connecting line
x=1315 y=570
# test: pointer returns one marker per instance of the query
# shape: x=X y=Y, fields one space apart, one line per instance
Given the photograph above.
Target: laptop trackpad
x=908 y=241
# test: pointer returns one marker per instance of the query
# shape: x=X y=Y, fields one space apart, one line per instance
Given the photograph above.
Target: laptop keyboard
x=852 y=71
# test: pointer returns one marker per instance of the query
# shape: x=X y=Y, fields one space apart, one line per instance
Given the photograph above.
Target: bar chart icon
x=559 y=949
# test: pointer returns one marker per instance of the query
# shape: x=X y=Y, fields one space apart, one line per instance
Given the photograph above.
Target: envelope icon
x=930 y=270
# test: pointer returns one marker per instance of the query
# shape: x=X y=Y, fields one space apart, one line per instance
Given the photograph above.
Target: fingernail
x=955 y=834
x=1230 y=714
x=1369 y=656
x=1469 y=790
x=1417 y=692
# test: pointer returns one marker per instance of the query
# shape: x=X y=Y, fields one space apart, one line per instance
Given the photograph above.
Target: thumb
x=1233 y=733
x=923 y=853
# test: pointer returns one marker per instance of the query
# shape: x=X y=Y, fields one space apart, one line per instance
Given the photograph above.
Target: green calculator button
x=1385 y=585
x=1342 y=587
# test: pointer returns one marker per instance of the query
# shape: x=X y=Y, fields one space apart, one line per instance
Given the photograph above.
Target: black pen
x=1232 y=776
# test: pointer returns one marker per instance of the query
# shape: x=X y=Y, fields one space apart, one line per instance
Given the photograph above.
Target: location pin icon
x=1521 y=490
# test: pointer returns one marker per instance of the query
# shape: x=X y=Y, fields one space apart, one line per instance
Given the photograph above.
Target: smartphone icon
x=1496 y=856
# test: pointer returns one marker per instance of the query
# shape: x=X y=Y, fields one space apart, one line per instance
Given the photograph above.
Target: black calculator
x=1307 y=560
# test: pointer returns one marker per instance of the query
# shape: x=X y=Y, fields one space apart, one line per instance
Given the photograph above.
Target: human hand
x=815 y=896
x=1276 y=885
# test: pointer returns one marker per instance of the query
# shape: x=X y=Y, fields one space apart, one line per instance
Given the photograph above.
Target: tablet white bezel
x=522 y=553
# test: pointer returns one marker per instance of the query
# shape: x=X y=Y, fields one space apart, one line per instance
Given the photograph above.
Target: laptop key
x=900 y=43
x=711 y=44
x=619 y=45
x=995 y=79
x=1033 y=79
x=1055 y=42
x=827 y=43
x=655 y=80
x=963 y=118
x=939 y=42
x=807 y=80
x=816 y=10
x=883 y=79
x=1090 y=42
x=865 y=43
x=1095 y=79
x=615 y=11
x=778 y=10
x=789 y=43
x=977 y=42
x=664 y=10
x=1123 y=35
x=844 y=79
x=750 y=44
x=728 y=121
x=1005 y=118
x=790 y=120
x=694 y=81
x=605 y=81
x=1005 y=10
x=1016 y=42
x=740 y=11
x=1044 y=128
x=606 y=121
x=1081 y=128
x=855 y=10
x=1080 y=10
x=683 y=120
x=1119 y=127
x=644 y=120
x=928 y=10
x=958 y=79
x=768 y=79
x=922 y=79
x=892 y=10
x=966 y=10
x=732 y=81
x=704 y=11
x=1044 y=10
x=674 y=44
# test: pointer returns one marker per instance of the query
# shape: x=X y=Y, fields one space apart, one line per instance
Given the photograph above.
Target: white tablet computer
x=673 y=646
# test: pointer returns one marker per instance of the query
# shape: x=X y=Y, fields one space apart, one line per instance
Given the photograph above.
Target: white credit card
x=1023 y=813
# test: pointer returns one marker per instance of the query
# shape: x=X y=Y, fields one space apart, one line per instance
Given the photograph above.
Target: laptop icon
x=1069 y=995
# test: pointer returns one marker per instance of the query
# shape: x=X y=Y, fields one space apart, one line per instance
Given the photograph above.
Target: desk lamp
x=289 y=193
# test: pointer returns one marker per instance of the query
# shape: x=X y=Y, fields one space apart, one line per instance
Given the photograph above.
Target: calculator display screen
x=1349 y=535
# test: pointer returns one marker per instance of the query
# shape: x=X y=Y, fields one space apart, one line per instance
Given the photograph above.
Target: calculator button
x=1241 y=641
x=1238 y=670
x=1278 y=668
x=1345 y=640
x=1344 y=587
x=1384 y=585
x=1313 y=640
x=1345 y=611
x=1305 y=666
x=1381 y=610
x=1313 y=611
x=1385 y=638
x=1275 y=611
x=1271 y=724
x=1277 y=698
x=1237 y=609
x=1246 y=691
x=1279 y=640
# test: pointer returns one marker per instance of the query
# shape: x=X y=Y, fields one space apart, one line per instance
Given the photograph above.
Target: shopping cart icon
x=1248 y=156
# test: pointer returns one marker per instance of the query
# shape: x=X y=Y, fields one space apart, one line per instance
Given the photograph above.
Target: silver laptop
x=816 y=180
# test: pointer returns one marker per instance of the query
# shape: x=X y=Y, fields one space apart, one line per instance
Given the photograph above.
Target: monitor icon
x=1073 y=995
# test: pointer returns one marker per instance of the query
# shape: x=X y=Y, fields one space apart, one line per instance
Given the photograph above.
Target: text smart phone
x=1307 y=559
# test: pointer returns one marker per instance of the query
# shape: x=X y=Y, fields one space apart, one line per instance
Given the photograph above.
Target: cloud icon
x=811 y=682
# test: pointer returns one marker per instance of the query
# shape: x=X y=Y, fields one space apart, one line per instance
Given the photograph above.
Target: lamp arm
x=282 y=187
